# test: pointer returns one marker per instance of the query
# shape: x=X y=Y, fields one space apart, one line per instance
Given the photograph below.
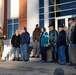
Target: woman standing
x=43 y=42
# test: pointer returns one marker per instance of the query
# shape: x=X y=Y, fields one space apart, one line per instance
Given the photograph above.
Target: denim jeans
x=62 y=57
x=24 y=52
x=54 y=52
x=16 y=52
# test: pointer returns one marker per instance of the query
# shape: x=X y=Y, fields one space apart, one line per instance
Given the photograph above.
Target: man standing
x=15 y=41
x=1 y=43
x=24 y=41
x=70 y=39
x=36 y=39
x=53 y=34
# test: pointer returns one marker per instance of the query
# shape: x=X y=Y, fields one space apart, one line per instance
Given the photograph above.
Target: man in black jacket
x=15 y=41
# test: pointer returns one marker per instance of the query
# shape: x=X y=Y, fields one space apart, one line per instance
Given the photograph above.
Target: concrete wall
x=32 y=14
x=13 y=8
x=0 y=12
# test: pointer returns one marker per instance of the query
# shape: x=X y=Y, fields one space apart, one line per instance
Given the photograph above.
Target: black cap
x=50 y=25
x=61 y=25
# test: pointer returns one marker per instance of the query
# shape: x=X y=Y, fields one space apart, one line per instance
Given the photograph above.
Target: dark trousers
x=43 y=53
x=54 y=53
x=66 y=53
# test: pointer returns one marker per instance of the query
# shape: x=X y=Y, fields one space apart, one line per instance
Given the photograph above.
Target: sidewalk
x=35 y=67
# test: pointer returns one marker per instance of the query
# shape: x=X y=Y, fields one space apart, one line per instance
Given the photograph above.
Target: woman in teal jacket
x=43 y=42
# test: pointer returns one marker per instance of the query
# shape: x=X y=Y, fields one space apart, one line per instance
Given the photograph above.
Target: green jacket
x=53 y=36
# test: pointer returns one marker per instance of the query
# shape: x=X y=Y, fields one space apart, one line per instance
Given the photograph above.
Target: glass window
x=41 y=3
x=51 y=2
x=51 y=9
x=52 y=21
x=41 y=16
x=15 y=20
x=15 y=27
x=41 y=10
x=41 y=23
x=64 y=13
x=9 y=21
x=63 y=1
x=51 y=15
x=9 y=31
x=66 y=6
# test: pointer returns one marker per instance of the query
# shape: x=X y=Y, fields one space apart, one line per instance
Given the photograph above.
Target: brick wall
x=22 y=14
x=4 y=16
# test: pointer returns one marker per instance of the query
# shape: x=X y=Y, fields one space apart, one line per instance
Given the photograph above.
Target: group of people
x=62 y=43
x=20 y=45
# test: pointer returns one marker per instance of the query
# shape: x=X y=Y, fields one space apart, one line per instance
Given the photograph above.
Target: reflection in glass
x=63 y=1
x=9 y=31
x=41 y=3
x=15 y=20
x=66 y=6
x=51 y=2
x=41 y=16
x=61 y=22
x=64 y=13
x=41 y=10
x=9 y=21
x=41 y=23
x=51 y=15
x=51 y=9
x=52 y=21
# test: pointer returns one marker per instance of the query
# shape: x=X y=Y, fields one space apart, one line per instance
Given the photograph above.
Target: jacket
x=25 y=38
x=36 y=34
x=43 y=39
x=53 y=36
x=15 y=41
x=61 y=40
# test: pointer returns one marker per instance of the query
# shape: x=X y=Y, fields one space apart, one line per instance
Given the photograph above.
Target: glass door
x=62 y=20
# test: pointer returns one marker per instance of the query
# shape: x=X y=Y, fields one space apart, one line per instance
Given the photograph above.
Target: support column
x=4 y=16
x=22 y=14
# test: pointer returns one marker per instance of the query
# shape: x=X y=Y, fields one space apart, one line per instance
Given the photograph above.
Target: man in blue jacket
x=24 y=41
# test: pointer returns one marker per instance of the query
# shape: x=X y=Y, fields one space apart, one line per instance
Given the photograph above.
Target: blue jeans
x=54 y=52
x=16 y=52
x=24 y=52
x=43 y=51
x=62 y=57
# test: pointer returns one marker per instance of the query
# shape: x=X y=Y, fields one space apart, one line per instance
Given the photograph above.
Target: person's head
x=70 y=21
x=51 y=27
x=43 y=29
x=61 y=27
x=17 y=32
x=37 y=26
x=75 y=21
x=24 y=29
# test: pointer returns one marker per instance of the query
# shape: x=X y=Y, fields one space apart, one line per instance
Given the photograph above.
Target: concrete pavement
x=35 y=67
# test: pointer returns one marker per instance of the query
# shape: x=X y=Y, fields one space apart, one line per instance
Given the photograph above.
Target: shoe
x=62 y=63
x=32 y=57
x=37 y=56
x=52 y=61
x=26 y=60
x=72 y=65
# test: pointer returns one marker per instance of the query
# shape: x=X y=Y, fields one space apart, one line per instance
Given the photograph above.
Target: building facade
x=15 y=14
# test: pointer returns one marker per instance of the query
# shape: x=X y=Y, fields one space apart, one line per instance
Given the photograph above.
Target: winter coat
x=36 y=34
x=43 y=39
x=15 y=41
x=25 y=38
x=61 y=40
x=53 y=36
